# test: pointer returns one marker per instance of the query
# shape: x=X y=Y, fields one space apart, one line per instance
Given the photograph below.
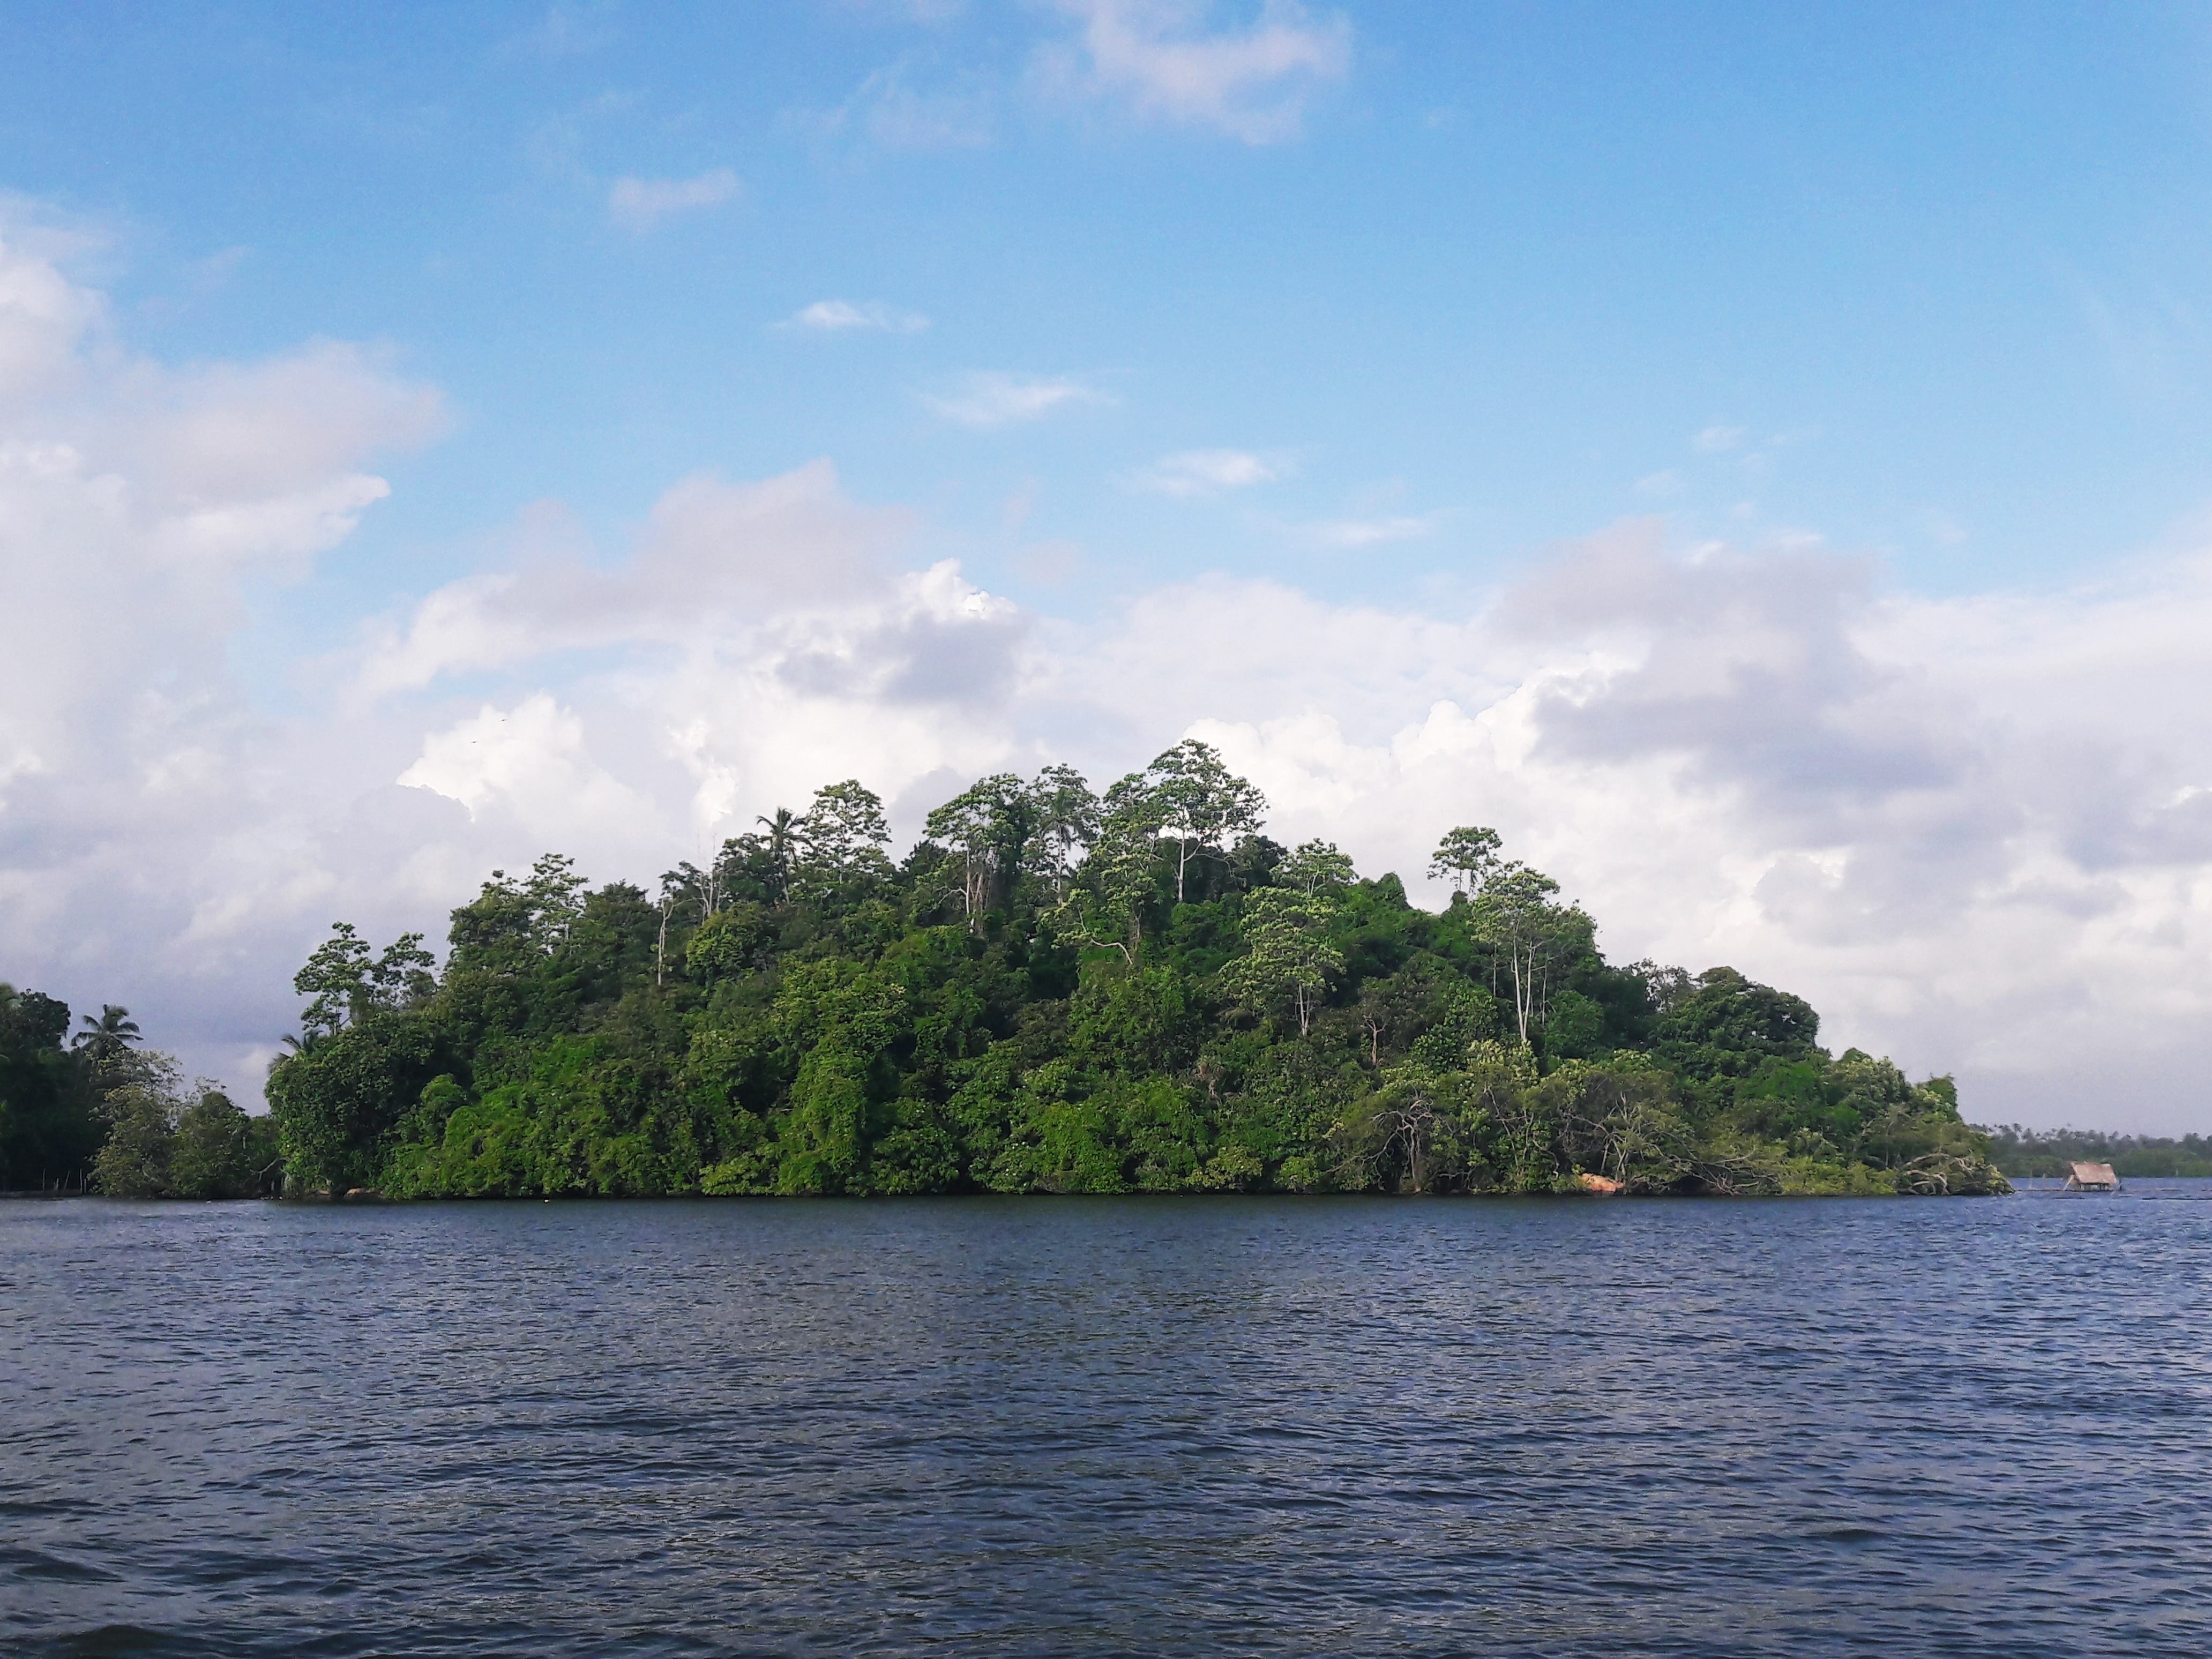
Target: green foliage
x=840 y=846
x=1466 y=857
x=1728 y=1026
x=345 y=984
x=49 y=1130
x=336 y=1101
x=106 y=1115
x=167 y=1141
x=1198 y=804
x=134 y=1163
x=1575 y=1029
x=1288 y=956
x=218 y=1151
x=1059 y=993
x=730 y=943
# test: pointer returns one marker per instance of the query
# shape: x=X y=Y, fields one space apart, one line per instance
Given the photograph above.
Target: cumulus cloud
x=714 y=557
x=987 y=398
x=155 y=826
x=1159 y=57
x=534 y=757
x=843 y=317
x=1206 y=473
x=43 y=317
x=644 y=204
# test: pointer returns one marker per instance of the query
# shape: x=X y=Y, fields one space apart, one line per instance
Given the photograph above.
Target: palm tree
x=783 y=832
x=106 y=1038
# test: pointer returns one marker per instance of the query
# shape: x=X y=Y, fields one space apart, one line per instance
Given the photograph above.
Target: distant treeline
x=92 y=1112
x=2019 y=1151
x=1060 y=992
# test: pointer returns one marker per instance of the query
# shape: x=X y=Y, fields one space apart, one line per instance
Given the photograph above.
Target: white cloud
x=1717 y=439
x=45 y=319
x=987 y=398
x=1252 y=83
x=160 y=832
x=843 y=317
x=714 y=559
x=532 y=755
x=642 y=204
x=1206 y=471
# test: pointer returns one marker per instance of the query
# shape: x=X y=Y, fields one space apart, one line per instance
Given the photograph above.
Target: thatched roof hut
x=2086 y=1177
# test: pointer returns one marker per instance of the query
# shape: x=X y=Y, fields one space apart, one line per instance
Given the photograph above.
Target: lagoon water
x=1121 y=1427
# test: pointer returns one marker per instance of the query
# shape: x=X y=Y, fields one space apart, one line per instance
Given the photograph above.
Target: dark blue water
x=1120 y=1426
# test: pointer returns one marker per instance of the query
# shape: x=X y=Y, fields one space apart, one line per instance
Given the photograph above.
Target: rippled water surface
x=1119 y=1426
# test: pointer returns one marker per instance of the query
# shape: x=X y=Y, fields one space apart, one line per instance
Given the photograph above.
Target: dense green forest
x=93 y=1112
x=1060 y=992
x=2019 y=1151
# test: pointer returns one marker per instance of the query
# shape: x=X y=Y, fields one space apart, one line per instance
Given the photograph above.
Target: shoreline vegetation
x=89 y=1111
x=1053 y=991
x=2047 y=1154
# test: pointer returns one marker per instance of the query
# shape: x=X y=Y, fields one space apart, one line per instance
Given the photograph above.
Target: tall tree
x=134 y=1163
x=841 y=841
x=346 y=984
x=1287 y=954
x=103 y=1042
x=782 y=844
x=1117 y=874
x=49 y=1130
x=1316 y=869
x=1066 y=816
x=1202 y=803
x=553 y=894
x=404 y=973
x=1516 y=914
x=989 y=825
x=1466 y=856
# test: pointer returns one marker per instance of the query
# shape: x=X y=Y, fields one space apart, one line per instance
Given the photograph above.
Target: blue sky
x=1934 y=275
x=1791 y=422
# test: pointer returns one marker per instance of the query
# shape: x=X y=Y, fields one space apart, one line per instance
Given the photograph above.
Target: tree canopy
x=1056 y=991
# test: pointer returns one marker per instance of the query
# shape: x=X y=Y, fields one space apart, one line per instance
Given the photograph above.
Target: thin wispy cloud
x=1719 y=439
x=1252 y=83
x=570 y=29
x=843 y=317
x=988 y=399
x=643 y=204
x=1376 y=532
x=887 y=111
x=1206 y=473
